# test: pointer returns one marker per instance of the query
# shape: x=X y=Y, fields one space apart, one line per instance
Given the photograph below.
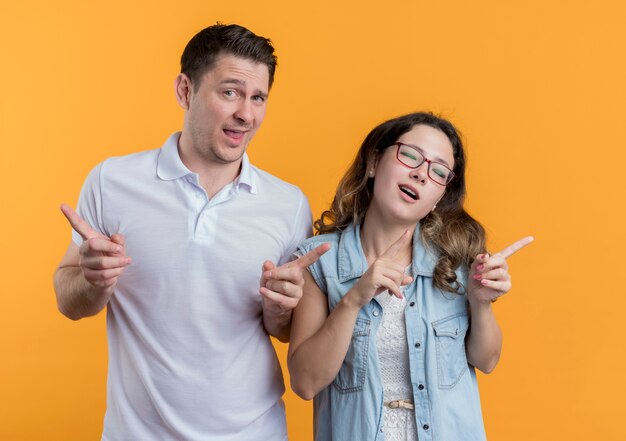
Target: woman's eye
x=440 y=172
x=409 y=155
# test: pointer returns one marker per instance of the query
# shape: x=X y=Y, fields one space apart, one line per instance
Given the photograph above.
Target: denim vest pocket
x=450 y=343
x=351 y=376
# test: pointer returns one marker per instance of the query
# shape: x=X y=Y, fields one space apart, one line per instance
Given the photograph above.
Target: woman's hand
x=489 y=275
x=386 y=273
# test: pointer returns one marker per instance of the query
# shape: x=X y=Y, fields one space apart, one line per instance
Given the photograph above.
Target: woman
x=382 y=336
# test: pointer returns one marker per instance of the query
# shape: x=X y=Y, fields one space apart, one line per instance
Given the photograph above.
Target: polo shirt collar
x=246 y=177
x=170 y=166
x=352 y=262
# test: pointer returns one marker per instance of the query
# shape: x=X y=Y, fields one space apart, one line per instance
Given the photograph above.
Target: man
x=189 y=352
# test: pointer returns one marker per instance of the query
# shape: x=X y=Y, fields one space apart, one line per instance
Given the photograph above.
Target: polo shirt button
x=425 y=427
x=382 y=430
x=418 y=344
x=375 y=313
x=420 y=387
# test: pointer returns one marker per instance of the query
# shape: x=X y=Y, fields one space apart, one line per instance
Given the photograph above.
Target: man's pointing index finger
x=77 y=223
x=311 y=257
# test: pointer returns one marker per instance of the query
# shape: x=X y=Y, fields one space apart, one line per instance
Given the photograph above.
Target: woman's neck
x=377 y=236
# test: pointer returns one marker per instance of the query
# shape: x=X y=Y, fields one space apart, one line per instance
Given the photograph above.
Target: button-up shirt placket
x=417 y=360
x=376 y=313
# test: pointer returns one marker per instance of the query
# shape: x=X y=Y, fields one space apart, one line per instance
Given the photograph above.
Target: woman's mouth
x=410 y=192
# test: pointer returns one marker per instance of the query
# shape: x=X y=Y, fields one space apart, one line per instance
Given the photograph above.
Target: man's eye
x=229 y=93
x=258 y=98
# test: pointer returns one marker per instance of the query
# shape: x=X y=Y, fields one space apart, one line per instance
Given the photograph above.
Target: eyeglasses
x=411 y=157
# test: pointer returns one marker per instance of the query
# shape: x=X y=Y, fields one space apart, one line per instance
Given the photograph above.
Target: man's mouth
x=409 y=192
x=234 y=134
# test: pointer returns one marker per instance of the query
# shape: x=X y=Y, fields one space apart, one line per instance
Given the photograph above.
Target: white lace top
x=393 y=353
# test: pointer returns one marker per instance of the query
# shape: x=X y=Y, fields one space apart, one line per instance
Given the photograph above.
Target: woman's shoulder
x=310 y=243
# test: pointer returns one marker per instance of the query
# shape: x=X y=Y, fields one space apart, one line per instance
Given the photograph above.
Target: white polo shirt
x=189 y=358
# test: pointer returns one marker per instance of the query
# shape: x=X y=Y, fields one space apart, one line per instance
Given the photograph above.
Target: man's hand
x=281 y=289
x=102 y=259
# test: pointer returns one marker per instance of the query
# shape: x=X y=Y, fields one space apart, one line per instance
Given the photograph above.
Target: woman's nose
x=420 y=173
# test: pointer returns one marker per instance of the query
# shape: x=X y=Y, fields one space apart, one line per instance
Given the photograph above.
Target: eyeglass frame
x=428 y=161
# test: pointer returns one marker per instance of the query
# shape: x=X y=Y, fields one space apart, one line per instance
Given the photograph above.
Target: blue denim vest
x=445 y=391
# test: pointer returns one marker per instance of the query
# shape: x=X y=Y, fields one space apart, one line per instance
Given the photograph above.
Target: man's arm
x=86 y=277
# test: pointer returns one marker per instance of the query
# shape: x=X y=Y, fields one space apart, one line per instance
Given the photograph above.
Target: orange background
x=537 y=88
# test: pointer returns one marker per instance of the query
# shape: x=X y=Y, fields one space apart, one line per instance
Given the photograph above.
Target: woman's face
x=407 y=195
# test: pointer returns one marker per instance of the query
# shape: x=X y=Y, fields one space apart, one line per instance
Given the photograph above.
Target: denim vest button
x=412 y=304
x=425 y=427
x=420 y=387
x=417 y=345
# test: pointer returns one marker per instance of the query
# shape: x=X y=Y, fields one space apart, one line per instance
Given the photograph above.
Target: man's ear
x=182 y=90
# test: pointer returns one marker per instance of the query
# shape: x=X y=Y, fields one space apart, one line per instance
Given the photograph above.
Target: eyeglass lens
x=413 y=158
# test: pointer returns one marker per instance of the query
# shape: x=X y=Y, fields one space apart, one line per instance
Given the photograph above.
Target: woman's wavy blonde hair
x=457 y=236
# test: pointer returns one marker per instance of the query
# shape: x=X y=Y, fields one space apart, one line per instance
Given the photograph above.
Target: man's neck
x=213 y=179
x=213 y=175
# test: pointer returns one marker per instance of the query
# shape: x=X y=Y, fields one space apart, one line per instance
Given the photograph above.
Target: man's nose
x=244 y=112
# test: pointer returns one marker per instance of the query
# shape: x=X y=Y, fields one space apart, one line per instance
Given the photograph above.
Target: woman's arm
x=488 y=279
x=319 y=341
x=483 y=343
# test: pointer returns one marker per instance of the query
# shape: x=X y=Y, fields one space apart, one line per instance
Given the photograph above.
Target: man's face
x=227 y=109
